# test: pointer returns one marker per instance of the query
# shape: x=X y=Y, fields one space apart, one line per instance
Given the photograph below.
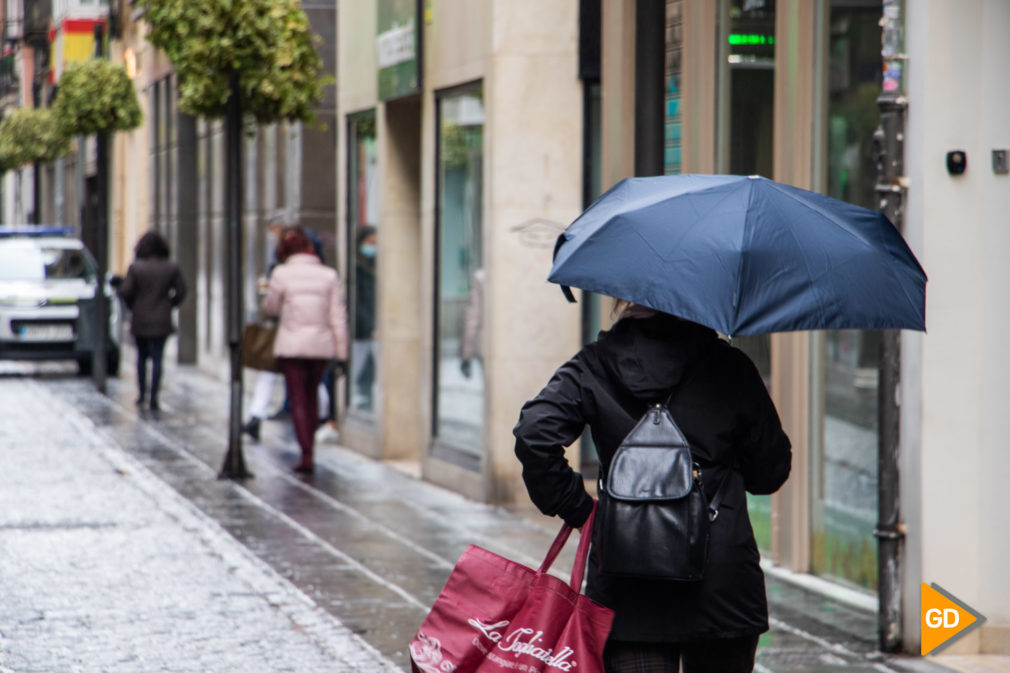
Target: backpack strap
x=713 y=504
x=689 y=372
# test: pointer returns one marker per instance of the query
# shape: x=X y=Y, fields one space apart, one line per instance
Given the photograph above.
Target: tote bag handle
x=581 y=553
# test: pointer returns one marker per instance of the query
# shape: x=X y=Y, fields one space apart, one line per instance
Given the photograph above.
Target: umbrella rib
x=841 y=225
x=893 y=273
x=811 y=285
x=738 y=299
x=699 y=215
x=823 y=213
x=890 y=272
x=698 y=222
x=727 y=195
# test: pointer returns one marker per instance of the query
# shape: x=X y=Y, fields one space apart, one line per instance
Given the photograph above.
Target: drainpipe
x=890 y=530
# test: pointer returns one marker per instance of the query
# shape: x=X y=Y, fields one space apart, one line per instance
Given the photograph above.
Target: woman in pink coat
x=307 y=299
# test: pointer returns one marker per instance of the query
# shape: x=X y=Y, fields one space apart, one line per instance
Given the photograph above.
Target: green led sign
x=750 y=39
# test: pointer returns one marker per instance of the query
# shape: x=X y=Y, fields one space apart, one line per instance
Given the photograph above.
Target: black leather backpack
x=654 y=518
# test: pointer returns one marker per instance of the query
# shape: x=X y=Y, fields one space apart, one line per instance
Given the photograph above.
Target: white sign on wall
x=396 y=46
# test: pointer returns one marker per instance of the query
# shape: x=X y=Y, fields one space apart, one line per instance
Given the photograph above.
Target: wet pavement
x=122 y=551
x=103 y=567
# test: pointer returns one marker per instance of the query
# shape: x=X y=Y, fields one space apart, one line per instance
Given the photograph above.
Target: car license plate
x=47 y=332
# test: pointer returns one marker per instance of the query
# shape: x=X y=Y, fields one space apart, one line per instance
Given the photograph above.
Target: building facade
x=24 y=82
x=460 y=162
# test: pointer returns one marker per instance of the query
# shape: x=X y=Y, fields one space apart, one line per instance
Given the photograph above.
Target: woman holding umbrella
x=720 y=403
x=743 y=255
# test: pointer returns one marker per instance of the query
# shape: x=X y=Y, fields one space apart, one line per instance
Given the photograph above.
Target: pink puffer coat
x=307 y=297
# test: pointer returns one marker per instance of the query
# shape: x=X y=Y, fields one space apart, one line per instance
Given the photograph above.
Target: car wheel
x=112 y=366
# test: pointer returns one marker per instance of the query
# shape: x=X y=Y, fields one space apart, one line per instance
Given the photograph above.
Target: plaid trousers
x=725 y=655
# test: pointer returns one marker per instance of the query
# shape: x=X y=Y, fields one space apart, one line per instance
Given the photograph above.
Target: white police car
x=47 y=289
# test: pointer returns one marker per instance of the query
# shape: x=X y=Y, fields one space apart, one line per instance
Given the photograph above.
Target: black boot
x=252 y=428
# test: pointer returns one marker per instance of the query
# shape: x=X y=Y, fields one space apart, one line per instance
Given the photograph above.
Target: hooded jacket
x=721 y=404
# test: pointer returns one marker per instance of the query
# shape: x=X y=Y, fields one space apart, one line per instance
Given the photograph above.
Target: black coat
x=151 y=289
x=364 y=301
x=726 y=414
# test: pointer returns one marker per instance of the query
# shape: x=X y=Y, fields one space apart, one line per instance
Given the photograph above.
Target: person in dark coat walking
x=721 y=404
x=152 y=288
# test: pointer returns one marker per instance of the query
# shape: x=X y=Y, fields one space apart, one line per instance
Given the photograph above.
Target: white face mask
x=368 y=250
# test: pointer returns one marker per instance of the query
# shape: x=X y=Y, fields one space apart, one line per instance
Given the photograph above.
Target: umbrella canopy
x=743 y=255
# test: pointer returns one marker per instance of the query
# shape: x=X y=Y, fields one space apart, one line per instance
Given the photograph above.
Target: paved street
x=103 y=567
x=120 y=550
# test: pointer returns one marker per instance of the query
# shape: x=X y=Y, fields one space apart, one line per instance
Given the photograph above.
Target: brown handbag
x=258 y=347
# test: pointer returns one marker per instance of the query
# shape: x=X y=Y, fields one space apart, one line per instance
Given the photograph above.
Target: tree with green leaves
x=31 y=135
x=267 y=43
x=95 y=96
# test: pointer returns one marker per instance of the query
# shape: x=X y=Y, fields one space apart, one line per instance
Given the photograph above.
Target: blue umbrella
x=743 y=255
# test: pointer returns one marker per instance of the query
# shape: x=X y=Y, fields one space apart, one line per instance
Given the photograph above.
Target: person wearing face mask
x=363 y=345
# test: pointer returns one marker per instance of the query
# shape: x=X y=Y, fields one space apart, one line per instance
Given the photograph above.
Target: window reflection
x=461 y=287
x=844 y=476
x=362 y=209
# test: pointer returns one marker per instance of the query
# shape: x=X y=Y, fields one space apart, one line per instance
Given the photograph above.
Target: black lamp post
x=234 y=462
x=100 y=354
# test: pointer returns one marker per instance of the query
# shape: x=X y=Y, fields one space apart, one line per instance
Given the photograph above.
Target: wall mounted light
x=957 y=162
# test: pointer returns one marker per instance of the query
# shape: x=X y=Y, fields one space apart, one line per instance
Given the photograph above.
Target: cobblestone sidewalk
x=103 y=567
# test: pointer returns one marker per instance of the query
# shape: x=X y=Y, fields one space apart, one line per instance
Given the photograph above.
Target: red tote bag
x=498 y=616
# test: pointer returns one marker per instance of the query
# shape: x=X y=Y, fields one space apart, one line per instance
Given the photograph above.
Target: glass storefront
x=461 y=283
x=362 y=209
x=749 y=71
x=844 y=447
x=672 y=155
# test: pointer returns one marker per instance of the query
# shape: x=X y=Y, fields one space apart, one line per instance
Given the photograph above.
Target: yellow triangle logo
x=944 y=618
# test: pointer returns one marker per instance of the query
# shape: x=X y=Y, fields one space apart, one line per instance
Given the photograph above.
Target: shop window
x=674 y=52
x=844 y=449
x=461 y=285
x=362 y=208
